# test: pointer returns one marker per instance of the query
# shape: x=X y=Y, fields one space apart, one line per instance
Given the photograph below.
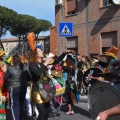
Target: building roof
x=16 y=39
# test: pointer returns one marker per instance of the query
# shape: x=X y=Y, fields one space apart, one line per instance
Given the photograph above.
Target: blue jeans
x=17 y=97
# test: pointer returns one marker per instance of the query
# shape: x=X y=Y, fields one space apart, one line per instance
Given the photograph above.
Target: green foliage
x=23 y=25
x=19 y=25
x=41 y=25
x=7 y=19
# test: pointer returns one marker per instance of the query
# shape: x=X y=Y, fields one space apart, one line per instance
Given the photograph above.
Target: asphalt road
x=81 y=113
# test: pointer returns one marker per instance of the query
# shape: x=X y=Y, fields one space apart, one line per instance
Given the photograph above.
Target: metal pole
x=86 y=39
x=61 y=40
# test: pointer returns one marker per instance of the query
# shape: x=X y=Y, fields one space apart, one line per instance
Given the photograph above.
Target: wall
x=89 y=23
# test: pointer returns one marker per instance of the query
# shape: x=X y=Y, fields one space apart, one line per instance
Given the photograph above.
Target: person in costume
x=3 y=89
x=17 y=78
x=59 y=83
x=115 y=110
x=68 y=65
x=111 y=56
x=37 y=68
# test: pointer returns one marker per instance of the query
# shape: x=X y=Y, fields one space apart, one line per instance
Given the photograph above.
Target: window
x=72 y=7
x=105 y=49
x=73 y=12
x=108 y=39
x=107 y=2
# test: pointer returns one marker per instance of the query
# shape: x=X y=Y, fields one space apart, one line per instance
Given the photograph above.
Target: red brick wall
x=96 y=14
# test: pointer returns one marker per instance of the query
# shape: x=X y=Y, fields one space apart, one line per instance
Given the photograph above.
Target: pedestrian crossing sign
x=65 y=29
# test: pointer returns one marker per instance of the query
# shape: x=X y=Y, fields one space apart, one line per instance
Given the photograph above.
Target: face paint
x=40 y=53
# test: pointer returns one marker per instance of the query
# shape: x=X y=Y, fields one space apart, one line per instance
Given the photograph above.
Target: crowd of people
x=41 y=83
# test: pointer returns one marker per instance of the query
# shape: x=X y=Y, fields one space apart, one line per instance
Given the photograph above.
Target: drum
x=102 y=96
x=90 y=74
x=46 y=88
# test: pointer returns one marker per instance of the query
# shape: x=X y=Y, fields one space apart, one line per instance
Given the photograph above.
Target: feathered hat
x=31 y=40
x=113 y=51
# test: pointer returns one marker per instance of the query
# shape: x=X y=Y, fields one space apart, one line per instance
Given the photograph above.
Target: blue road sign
x=65 y=29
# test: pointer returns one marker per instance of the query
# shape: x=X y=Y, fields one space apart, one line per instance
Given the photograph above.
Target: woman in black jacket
x=37 y=67
x=17 y=80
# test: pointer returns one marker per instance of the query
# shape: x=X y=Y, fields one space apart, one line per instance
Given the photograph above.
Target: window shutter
x=71 y=5
x=109 y=39
x=72 y=42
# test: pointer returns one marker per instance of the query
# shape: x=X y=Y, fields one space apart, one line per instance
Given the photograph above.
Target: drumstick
x=96 y=78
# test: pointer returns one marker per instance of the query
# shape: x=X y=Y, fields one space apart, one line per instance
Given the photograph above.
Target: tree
x=23 y=25
x=41 y=25
x=7 y=20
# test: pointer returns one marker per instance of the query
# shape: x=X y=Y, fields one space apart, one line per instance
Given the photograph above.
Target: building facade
x=95 y=26
x=11 y=45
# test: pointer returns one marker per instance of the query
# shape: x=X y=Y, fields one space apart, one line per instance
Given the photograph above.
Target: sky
x=41 y=9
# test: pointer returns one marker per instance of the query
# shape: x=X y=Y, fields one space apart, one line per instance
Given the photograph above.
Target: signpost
x=65 y=29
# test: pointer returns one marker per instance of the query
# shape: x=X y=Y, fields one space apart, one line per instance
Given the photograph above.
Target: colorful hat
x=72 y=58
x=40 y=47
x=2 y=52
x=56 y=73
x=113 y=51
x=9 y=60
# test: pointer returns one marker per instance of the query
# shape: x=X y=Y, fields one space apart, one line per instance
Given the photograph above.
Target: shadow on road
x=77 y=110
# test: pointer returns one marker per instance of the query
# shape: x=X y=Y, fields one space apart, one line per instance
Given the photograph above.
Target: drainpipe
x=86 y=39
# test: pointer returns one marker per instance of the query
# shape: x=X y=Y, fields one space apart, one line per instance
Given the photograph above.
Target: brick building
x=11 y=45
x=96 y=26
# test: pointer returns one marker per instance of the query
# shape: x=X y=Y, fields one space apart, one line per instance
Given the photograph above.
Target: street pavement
x=80 y=109
x=81 y=113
